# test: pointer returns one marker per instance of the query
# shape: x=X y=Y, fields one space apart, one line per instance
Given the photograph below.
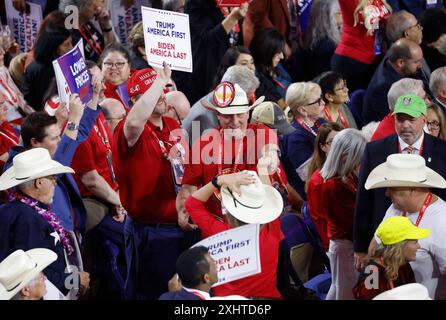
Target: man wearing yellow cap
x=408 y=181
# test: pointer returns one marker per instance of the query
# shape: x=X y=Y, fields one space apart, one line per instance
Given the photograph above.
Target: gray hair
x=171 y=5
x=345 y=154
x=322 y=23
x=244 y=77
x=31 y=283
x=402 y=87
x=397 y=23
x=80 y=4
x=437 y=80
x=26 y=185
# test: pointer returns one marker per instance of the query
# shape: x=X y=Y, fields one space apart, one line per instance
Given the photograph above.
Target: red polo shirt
x=206 y=152
x=92 y=154
x=316 y=206
x=262 y=284
x=144 y=175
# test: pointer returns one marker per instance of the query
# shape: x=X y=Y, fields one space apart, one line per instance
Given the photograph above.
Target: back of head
x=402 y=87
x=229 y=59
x=46 y=46
x=402 y=49
x=136 y=38
x=438 y=81
x=192 y=265
x=242 y=76
x=397 y=23
x=345 y=154
x=434 y=24
x=34 y=126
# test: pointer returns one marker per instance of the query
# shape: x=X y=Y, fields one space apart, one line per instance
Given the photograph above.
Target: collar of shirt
x=441 y=103
x=206 y=295
x=416 y=146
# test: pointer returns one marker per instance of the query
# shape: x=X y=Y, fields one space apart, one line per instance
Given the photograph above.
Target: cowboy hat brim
x=8 y=179
x=271 y=209
x=43 y=258
x=229 y=109
x=380 y=177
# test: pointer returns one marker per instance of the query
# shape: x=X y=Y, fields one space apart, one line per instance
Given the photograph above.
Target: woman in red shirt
x=322 y=145
x=8 y=136
x=340 y=174
x=356 y=51
x=241 y=193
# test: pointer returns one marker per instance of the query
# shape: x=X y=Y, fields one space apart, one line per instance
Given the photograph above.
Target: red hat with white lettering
x=141 y=81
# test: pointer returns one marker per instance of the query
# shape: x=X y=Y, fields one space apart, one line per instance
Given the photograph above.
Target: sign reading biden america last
x=167 y=38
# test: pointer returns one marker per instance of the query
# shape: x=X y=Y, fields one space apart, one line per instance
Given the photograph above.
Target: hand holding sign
x=76 y=108
x=163 y=74
x=240 y=12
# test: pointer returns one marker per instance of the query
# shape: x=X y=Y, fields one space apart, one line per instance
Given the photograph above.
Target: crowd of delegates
x=338 y=123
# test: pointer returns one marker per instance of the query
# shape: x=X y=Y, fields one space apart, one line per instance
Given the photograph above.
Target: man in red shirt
x=232 y=147
x=404 y=86
x=148 y=164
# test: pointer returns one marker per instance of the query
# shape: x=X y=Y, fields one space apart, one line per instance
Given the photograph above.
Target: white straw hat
x=258 y=203
x=20 y=267
x=29 y=165
x=230 y=98
x=404 y=170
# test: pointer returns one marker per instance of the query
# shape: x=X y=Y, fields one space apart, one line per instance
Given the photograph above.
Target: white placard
x=236 y=252
x=24 y=26
x=167 y=38
x=125 y=19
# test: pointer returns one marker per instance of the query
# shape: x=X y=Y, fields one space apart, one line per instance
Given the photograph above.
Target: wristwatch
x=72 y=126
x=214 y=182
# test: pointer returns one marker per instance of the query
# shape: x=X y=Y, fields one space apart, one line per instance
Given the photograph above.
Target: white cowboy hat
x=30 y=165
x=258 y=203
x=411 y=291
x=20 y=267
x=404 y=170
x=230 y=98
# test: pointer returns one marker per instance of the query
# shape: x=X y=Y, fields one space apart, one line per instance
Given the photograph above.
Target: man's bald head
x=406 y=57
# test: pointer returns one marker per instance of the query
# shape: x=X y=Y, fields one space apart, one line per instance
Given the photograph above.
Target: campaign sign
x=24 y=26
x=230 y=3
x=167 y=38
x=73 y=76
x=236 y=252
x=124 y=19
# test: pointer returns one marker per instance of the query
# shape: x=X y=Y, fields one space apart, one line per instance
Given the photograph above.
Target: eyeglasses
x=418 y=26
x=118 y=65
x=171 y=107
x=433 y=124
x=343 y=88
x=318 y=101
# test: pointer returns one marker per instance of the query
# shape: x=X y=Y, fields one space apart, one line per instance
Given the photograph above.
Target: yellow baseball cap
x=397 y=229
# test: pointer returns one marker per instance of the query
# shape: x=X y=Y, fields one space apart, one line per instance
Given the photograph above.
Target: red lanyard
x=391 y=285
x=306 y=127
x=280 y=84
x=220 y=155
x=104 y=133
x=423 y=208
x=161 y=143
x=421 y=148
x=341 y=116
x=96 y=47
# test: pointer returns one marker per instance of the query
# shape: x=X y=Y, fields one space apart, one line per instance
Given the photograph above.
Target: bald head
x=406 y=57
x=113 y=111
x=403 y=24
x=178 y=104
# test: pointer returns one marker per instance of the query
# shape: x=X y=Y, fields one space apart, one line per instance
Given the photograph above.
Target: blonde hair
x=299 y=94
x=392 y=256
x=362 y=4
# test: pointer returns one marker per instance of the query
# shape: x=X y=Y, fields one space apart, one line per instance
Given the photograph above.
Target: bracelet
x=214 y=182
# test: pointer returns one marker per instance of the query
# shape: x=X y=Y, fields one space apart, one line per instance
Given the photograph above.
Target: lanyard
x=103 y=136
x=280 y=84
x=306 y=126
x=423 y=208
x=341 y=116
x=391 y=285
x=161 y=144
x=96 y=47
x=220 y=155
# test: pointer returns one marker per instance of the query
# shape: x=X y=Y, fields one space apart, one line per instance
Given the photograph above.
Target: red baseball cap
x=141 y=81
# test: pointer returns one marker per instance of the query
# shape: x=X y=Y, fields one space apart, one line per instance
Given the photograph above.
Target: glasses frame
x=119 y=65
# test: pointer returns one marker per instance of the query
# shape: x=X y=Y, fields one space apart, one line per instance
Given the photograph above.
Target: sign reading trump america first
x=167 y=38
x=236 y=252
x=72 y=75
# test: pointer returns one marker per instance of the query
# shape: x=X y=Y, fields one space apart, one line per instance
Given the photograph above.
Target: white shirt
x=206 y=295
x=430 y=266
x=416 y=146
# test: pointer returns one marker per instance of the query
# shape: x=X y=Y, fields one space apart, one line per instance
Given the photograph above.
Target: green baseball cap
x=410 y=104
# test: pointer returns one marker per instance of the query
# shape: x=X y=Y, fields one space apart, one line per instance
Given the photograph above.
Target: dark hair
x=229 y=59
x=51 y=91
x=192 y=266
x=45 y=49
x=34 y=126
x=114 y=47
x=265 y=44
x=90 y=64
x=328 y=81
x=53 y=19
x=318 y=158
x=400 y=50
